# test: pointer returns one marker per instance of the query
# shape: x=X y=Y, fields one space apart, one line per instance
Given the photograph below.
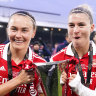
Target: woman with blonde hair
x=80 y=25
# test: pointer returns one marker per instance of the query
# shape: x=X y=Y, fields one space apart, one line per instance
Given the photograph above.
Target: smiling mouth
x=18 y=41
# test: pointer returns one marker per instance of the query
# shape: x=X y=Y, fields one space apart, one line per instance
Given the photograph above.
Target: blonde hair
x=84 y=8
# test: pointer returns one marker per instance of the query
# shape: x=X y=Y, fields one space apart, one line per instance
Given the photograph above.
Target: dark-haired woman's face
x=20 y=31
x=79 y=28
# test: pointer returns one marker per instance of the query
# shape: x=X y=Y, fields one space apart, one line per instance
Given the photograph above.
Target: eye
x=81 y=24
x=71 y=25
x=24 y=30
x=13 y=29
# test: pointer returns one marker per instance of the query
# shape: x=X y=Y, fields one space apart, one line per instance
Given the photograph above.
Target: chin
x=77 y=43
x=18 y=47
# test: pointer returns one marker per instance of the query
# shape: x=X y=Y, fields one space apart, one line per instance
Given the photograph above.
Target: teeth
x=18 y=41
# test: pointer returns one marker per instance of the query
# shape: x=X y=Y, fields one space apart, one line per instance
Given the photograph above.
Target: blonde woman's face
x=79 y=28
x=20 y=31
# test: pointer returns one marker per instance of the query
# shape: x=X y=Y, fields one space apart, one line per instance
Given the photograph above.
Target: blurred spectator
x=93 y=37
x=55 y=48
x=36 y=47
x=41 y=49
x=65 y=43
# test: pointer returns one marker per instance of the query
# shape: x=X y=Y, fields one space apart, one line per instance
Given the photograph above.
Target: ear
x=7 y=31
x=92 y=28
x=33 y=33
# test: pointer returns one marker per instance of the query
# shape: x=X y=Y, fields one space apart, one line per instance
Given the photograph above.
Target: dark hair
x=36 y=42
x=24 y=13
x=92 y=35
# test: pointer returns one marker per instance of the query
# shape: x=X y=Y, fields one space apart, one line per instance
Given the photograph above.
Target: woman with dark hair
x=18 y=74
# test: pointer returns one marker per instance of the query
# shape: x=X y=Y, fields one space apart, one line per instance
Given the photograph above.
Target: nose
x=18 y=34
x=76 y=29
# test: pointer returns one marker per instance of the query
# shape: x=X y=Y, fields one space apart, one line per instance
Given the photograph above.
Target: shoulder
x=59 y=55
x=37 y=58
x=34 y=57
x=62 y=45
x=2 y=46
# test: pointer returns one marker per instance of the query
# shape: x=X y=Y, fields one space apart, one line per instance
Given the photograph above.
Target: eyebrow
x=25 y=28
x=73 y=23
x=70 y=23
x=22 y=27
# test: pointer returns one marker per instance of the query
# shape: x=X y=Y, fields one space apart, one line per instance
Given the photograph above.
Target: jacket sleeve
x=79 y=88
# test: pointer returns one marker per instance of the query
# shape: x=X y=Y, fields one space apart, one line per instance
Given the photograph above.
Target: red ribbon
x=28 y=65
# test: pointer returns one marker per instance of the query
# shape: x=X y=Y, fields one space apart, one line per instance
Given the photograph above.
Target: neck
x=17 y=55
x=82 y=50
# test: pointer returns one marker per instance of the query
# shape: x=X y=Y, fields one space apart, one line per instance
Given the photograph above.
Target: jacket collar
x=69 y=50
x=4 y=54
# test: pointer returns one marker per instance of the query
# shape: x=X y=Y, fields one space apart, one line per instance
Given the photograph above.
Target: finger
x=30 y=80
x=64 y=73
x=73 y=75
x=64 y=80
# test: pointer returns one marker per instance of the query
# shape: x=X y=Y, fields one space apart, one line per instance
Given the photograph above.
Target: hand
x=64 y=76
x=72 y=77
x=26 y=77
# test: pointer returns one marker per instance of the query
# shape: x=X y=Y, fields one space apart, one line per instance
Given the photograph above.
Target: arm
x=23 y=78
x=79 y=88
x=9 y=86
